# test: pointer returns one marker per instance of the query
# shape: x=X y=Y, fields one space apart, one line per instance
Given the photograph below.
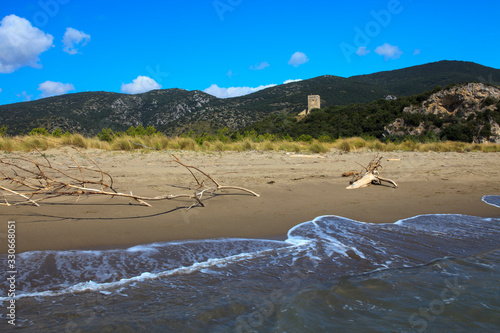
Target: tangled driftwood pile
x=31 y=179
x=369 y=175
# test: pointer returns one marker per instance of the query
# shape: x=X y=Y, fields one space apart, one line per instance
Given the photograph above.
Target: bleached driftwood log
x=35 y=179
x=370 y=175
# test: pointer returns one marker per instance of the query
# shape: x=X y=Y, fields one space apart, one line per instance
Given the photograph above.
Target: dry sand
x=293 y=188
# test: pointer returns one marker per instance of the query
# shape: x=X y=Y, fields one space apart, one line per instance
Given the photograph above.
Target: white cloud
x=362 y=51
x=297 y=59
x=291 y=81
x=140 y=85
x=0 y=90
x=21 y=44
x=25 y=96
x=260 y=66
x=51 y=88
x=72 y=38
x=388 y=51
x=230 y=74
x=220 y=92
x=416 y=52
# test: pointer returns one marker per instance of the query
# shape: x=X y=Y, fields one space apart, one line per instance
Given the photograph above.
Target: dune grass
x=160 y=142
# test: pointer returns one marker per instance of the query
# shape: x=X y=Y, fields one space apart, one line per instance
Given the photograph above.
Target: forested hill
x=176 y=111
x=414 y=80
x=463 y=112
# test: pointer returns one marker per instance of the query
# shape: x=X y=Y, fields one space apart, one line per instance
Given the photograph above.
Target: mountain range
x=176 y=111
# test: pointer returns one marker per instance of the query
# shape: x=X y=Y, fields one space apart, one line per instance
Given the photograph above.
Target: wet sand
x=293 y=188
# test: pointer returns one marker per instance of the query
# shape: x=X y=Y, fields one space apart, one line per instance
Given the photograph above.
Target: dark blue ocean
x=429 y=273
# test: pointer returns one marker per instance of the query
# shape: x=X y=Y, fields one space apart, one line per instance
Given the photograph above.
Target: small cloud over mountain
x=140 y=85
x=51 y=88
x=260 y=66
x=25 y=96
x=362 y=51
x=388 y=51
x=220 y=92
x=297 y=59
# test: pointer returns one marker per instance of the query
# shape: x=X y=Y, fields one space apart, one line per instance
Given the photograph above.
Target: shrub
x=205 y=137
x=106 y=134
x=39 y=131
x=183 y=143
x=324 y=138
x=78 y=140
x=219 y=146
x=290 y=146
x=457 y=132
x=408 y=145
x=221 y=135
x=207 y=145
x=267 y=145
x=344 y=146
x=378 y=146
x=32 y=143
x=318 y=148
x=6 y=145
x=265 y=137
x=357 y=142
x=57 y=133
x=161 y=142
x=96 y=143
x=247 y=145
x=305 y=138
x=3 y=129
x=122 y=144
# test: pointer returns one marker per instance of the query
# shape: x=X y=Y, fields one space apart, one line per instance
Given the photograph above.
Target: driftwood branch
x=370 y=175
x=218 y=186
x=32 y=180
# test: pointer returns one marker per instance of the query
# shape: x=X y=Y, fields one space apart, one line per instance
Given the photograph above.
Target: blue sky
x=228 y=47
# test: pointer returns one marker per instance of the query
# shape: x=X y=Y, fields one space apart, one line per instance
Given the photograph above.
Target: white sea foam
x=327 y=241
x=493 y=200
x=91 y=286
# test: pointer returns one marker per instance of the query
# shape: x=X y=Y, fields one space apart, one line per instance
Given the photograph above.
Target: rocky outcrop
x=462 y=103
x=461 y=100
x=401 y=128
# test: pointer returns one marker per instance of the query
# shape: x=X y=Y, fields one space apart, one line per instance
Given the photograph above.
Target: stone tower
x=314 y=102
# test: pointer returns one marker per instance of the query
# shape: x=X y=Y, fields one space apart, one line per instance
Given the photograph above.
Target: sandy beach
x=293 y=188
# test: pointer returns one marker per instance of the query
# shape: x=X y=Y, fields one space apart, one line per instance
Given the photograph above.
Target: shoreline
x=293 y=188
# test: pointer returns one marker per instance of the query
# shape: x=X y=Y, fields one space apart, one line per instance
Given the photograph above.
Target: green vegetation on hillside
x=177 y=111
x=371 y=119
x=342 y=121
x=415 y=79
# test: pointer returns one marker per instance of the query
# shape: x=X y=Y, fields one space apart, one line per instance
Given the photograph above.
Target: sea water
x=429 y=273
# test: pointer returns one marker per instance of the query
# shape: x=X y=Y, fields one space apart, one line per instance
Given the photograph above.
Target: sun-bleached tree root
x=370 y=175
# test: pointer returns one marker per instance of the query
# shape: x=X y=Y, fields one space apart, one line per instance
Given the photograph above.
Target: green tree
x=57 y=133
x=457 y=132
x=39 y=131
x=150 y=131
x=305 y=138
x=106 y=134
x=221 y=135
